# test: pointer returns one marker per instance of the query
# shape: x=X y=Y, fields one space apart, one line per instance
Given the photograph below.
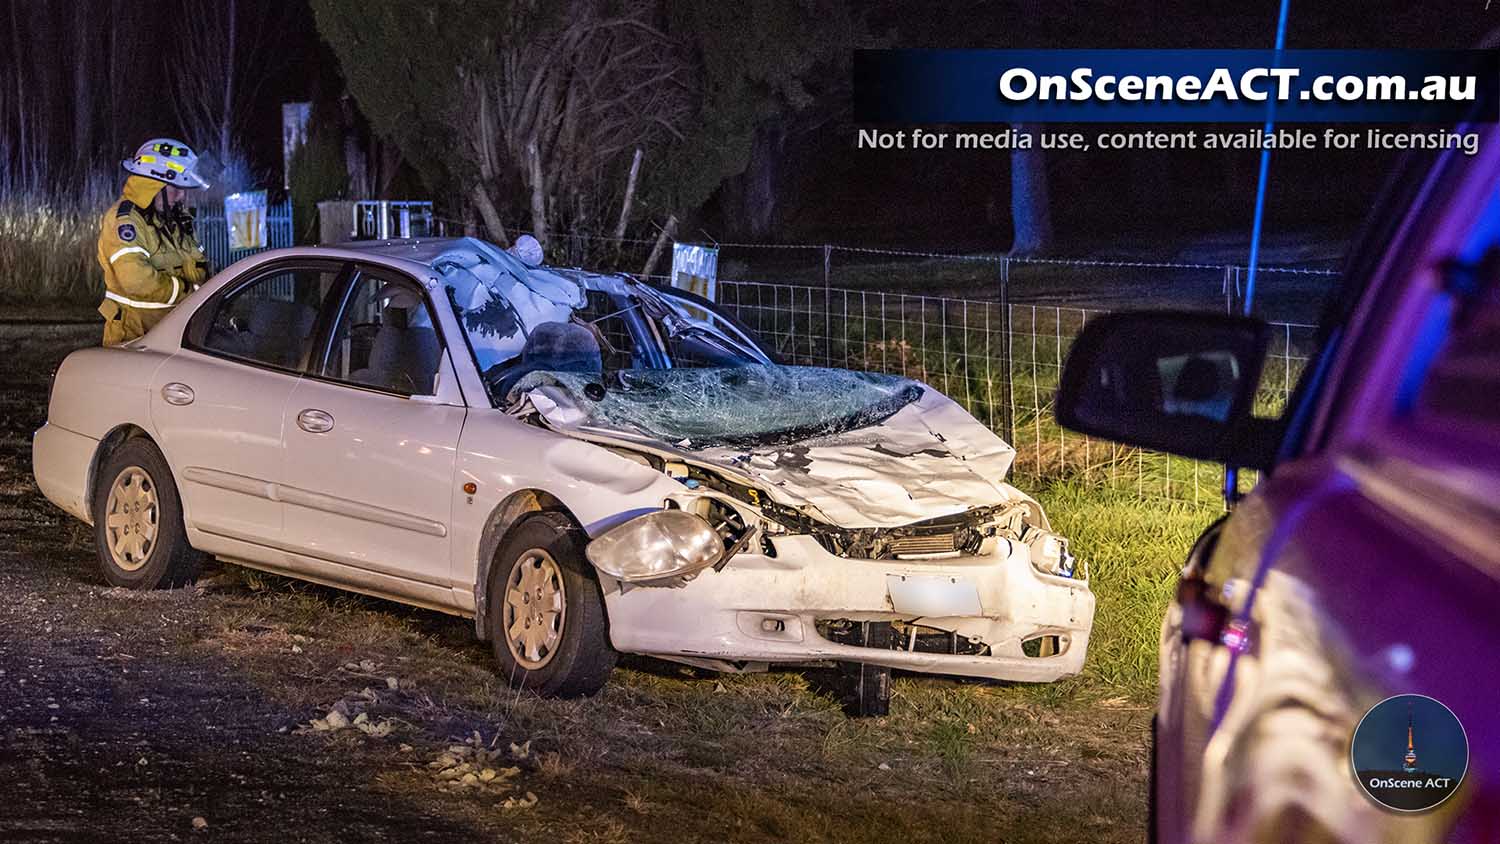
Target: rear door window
x=272 y=318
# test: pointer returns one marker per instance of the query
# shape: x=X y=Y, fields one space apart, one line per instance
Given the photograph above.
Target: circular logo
x=1409 y=753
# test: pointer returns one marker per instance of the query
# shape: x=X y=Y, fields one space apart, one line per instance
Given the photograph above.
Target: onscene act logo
x=1409 y=753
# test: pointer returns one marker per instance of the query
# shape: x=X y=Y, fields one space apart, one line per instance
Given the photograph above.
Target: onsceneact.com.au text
x=1019 y=84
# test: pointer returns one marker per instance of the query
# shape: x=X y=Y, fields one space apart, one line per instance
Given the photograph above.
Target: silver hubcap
x=535 y=604
x=132 y=515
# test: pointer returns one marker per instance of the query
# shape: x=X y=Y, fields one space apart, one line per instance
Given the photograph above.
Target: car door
x=1366 y=567
x=218 y=404
x=371 y=438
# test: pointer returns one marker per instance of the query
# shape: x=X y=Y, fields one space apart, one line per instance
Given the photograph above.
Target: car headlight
x=657 y=546
x=1049 y=554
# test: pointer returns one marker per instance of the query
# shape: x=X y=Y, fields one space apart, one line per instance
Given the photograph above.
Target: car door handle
x=177 y=393
x=315 y=421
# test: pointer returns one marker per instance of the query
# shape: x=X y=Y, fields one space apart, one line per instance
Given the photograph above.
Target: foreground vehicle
x=1366 y=564
x=584 y=464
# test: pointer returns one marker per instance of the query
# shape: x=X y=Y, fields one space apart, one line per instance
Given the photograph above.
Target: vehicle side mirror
x=1182 y=383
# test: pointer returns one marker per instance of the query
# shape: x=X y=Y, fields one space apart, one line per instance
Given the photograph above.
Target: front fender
x=517 y=468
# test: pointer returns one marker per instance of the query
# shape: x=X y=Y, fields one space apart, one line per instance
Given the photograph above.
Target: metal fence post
x=1005 y=356
x=828 y=304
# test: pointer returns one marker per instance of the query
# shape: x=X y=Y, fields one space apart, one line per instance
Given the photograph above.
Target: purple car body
x=1366 y=562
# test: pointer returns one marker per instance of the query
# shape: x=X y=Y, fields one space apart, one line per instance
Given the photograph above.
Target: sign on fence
x=213 y=230
x=245 y=214
x=695 y=269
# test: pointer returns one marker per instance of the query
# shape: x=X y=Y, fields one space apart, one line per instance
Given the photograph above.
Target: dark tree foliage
x=319 y=171
x=530 y=114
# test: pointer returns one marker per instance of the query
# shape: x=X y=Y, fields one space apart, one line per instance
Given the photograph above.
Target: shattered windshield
x=520 y=319
x=742 y=406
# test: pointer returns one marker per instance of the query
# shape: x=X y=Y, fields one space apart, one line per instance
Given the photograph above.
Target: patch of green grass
x=1134 y=550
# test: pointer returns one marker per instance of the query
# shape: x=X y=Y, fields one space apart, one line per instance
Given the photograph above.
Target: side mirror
x=1182 y=383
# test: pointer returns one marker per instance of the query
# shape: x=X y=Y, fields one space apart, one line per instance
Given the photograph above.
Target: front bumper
x=761 y=609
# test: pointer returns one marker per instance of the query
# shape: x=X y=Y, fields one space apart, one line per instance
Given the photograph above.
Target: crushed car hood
x=854 y=449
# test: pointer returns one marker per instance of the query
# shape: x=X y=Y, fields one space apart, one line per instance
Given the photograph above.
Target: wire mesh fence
x=212 y=231
x=991 y=330
x=1001 y=360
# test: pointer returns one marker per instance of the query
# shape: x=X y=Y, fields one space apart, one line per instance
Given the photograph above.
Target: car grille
x=937 y=543
x=911 y=542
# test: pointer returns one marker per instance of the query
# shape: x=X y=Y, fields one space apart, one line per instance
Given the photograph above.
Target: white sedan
x=583 y=464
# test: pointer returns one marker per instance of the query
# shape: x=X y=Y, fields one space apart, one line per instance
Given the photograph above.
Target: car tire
x=138 y=531
x=547 y=624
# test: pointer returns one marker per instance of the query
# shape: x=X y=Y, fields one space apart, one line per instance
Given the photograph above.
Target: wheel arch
x=506 y=515
x=117 y=436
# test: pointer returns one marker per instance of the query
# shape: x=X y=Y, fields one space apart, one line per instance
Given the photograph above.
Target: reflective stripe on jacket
x=148 y=266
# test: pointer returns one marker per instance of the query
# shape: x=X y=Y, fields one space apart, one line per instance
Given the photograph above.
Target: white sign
x=245 y=214
x=695 y=269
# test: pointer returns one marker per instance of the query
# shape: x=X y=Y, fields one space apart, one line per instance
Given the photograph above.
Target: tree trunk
x=661 y=244
x=1030 y=207
x=490 y=216
x=26 y=159
x=761 y=178
x=635 y=171
x=83 y=107
x=226 y=118
x=538 y=195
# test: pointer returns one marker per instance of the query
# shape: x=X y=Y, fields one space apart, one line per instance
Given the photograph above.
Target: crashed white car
x=584 y=464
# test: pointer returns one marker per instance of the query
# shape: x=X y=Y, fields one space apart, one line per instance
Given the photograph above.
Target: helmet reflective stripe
x=176 y=291
x=166 y=160
x=151 y=159
x=126 y=250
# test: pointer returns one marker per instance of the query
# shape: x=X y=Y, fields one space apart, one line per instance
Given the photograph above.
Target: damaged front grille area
x=962 y=534
x=900 y=543
x=899 y=636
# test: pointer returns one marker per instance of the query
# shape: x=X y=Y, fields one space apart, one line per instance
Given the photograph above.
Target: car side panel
x=225 y=449
x=1361 y=602
x=94 y=392
x=375 y=492
x=503 y=456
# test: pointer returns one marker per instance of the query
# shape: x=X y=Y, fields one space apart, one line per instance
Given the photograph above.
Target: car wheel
x=138 y=530
x=547 y=621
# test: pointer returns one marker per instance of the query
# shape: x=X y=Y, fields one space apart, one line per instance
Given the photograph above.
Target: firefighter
x=146 y=246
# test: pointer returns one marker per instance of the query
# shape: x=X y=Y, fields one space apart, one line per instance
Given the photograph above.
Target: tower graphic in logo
x=1395 y=778
x=1409 y=761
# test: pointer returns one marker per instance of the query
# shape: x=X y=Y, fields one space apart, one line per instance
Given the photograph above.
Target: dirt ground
x=205 y=714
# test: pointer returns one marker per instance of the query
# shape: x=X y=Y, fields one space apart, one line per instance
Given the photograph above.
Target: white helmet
x=166 y=160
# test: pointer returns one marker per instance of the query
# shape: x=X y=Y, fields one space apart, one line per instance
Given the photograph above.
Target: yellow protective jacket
x=150 y=263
